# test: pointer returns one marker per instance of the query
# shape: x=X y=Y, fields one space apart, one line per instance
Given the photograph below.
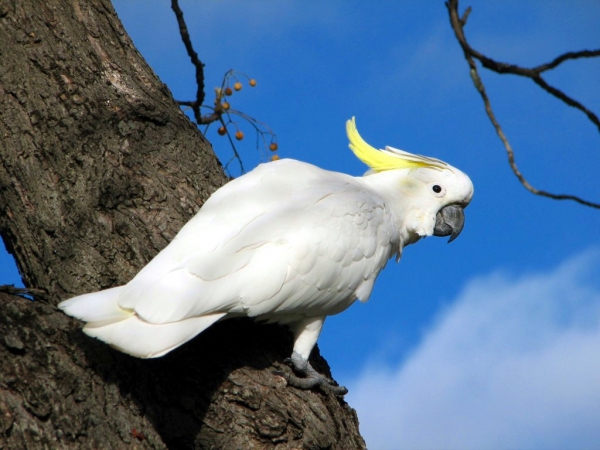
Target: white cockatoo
x=288 y=243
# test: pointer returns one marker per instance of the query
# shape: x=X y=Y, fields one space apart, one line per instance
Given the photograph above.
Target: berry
x=239 y=135
x=252 y=82
x=274 y=158
x=273 y=147
x=222 y=131
x=226 y=105
x=228 y=91
x=237 y=86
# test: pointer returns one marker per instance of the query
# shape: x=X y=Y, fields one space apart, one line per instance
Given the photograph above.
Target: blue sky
x=491 y=341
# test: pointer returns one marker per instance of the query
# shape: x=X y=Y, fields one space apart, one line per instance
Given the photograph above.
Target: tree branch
x=185 y=37
x=533 y=73
x=565 y=98
x=565 y=57
x=39 y=294
x=469 y=53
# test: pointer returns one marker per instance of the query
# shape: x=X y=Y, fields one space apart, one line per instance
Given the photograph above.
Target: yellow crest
x=388 y=159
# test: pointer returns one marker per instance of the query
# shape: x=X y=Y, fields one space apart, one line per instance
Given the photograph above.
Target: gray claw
x=288 y=362
x=310 y=377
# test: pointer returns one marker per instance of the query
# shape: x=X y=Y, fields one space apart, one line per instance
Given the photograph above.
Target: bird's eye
x=438 y=190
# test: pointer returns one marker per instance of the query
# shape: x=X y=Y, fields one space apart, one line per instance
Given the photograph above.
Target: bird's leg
x=306 y=333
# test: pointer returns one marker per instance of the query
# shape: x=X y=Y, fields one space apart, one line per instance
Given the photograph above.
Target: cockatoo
x=287 y=243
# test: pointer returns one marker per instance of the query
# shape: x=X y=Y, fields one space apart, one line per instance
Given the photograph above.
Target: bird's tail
x=124 y=330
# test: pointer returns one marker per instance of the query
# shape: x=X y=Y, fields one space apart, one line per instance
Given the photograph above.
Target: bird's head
x=431 y=194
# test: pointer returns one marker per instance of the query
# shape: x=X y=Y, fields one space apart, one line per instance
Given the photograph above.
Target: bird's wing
x=333 y=251
x=288 y=238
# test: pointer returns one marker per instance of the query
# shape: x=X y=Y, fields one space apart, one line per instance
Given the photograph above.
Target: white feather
x=99 y=306
x=146 y=340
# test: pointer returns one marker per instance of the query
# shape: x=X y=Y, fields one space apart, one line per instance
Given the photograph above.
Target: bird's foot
x=310 y=377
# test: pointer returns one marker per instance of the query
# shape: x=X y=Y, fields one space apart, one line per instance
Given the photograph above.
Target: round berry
x=237 y=86
x=252 y=82
x=273 y=147
x=239 y=135
x=222 y=131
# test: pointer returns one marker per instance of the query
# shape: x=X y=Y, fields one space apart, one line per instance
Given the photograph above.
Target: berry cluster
x=231 y=84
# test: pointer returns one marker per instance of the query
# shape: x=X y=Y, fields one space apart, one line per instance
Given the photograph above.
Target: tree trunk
x=99 y=169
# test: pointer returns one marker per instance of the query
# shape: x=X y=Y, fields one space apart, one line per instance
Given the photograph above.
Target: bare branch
x=236 y=155
x=457 y=25
x=568 y=100
x=185 y=37
x=39 y=294
x=533 y=73
x=565 y=57
x=222 y=106
x=465 y=17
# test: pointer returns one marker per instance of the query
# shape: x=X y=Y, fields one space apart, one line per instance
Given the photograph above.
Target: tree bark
x=99 y=169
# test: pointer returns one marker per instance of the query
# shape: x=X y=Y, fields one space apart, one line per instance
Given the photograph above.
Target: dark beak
x=449 y=221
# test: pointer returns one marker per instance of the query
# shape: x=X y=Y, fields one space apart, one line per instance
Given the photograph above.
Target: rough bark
x=99 y=167
x=98 y=171
x=59 y=389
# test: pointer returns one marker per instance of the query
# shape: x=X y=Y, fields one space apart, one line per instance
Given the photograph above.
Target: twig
x=221 y=107
x=533 y=73
x=12 y=290
x=204 y=120
x=469 y=53
x=236 y=155
x=185 y=37
x=565 y=98
x=565 y=57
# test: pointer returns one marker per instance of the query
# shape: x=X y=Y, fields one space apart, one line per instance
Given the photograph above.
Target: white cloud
x=513 y=363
